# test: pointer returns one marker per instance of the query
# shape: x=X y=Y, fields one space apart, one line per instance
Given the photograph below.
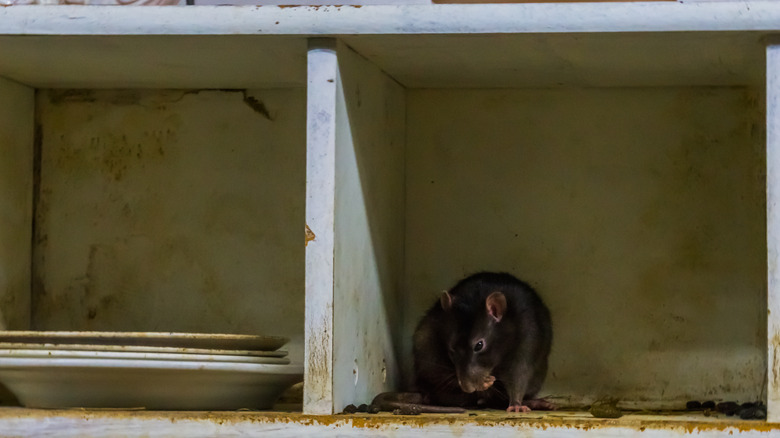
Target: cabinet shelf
x=616 y=156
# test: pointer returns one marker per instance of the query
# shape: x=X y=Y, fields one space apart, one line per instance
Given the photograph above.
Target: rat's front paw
x=517 y=407
x=487 y=383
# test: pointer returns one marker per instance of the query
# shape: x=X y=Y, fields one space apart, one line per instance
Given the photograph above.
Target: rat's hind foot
x=540 y=404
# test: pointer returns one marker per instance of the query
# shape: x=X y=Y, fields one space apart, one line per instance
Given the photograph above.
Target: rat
x=484 y=343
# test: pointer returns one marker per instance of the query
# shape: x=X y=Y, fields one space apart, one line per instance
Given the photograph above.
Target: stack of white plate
x=187 y=371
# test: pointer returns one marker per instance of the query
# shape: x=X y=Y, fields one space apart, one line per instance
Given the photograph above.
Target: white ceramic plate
x=151 y=384
x=156 y=339
x=141 y=349
x=131 y=355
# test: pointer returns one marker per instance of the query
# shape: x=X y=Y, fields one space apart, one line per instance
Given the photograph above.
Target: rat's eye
x=479 y=346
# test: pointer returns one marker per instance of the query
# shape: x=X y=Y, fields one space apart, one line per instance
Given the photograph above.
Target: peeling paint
x=310 y=236
x=257 y=106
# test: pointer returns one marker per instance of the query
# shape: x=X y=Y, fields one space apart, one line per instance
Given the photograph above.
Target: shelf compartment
x=636 y=206
x=172 y=201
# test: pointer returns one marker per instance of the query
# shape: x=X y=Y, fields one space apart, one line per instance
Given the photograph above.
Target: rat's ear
x=496 y=306
x=446 y=301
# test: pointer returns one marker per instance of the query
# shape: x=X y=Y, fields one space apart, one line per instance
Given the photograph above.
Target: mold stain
x=318 y=372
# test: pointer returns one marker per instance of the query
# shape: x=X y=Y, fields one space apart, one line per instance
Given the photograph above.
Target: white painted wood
x=395 y=19
x=355 y=208
x=370 y=136
x=568 y=44
x=16 y=198
x=171 y=211
x=421 y=46
x=773 y=227
x=320 y=217
x=637 y=213
x=75 y=423
x=95 y=2
x=310 y=2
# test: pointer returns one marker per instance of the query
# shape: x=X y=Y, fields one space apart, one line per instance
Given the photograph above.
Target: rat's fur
x=515 y=328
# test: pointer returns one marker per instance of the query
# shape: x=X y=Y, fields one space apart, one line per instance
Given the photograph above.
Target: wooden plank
x=320 y=216
x=773 y=227
x=538 y=1
x=394 y=19
x=496 y=424
x=370 y=114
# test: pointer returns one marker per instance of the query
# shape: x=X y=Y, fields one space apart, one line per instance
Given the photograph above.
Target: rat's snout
x=464 y=381
x=466 y=385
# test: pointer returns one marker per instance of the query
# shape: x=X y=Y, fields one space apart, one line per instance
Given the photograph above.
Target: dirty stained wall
x=638 y=214
x=16 y=199
x=171 y=211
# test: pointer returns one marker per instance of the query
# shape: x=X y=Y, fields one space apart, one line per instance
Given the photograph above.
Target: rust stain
x=684 y=422
x=775 y=370
x=310 y=236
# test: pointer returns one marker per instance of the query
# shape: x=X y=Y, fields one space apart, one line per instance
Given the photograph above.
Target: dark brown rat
x=484 y=343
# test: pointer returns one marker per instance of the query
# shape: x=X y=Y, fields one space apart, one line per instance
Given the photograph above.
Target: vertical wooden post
x=773 y=227
x=320 y=215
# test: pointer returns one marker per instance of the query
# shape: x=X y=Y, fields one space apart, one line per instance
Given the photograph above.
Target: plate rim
x=37 y=364
x=132 y=355
x=273 y=342
x=140 y=349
